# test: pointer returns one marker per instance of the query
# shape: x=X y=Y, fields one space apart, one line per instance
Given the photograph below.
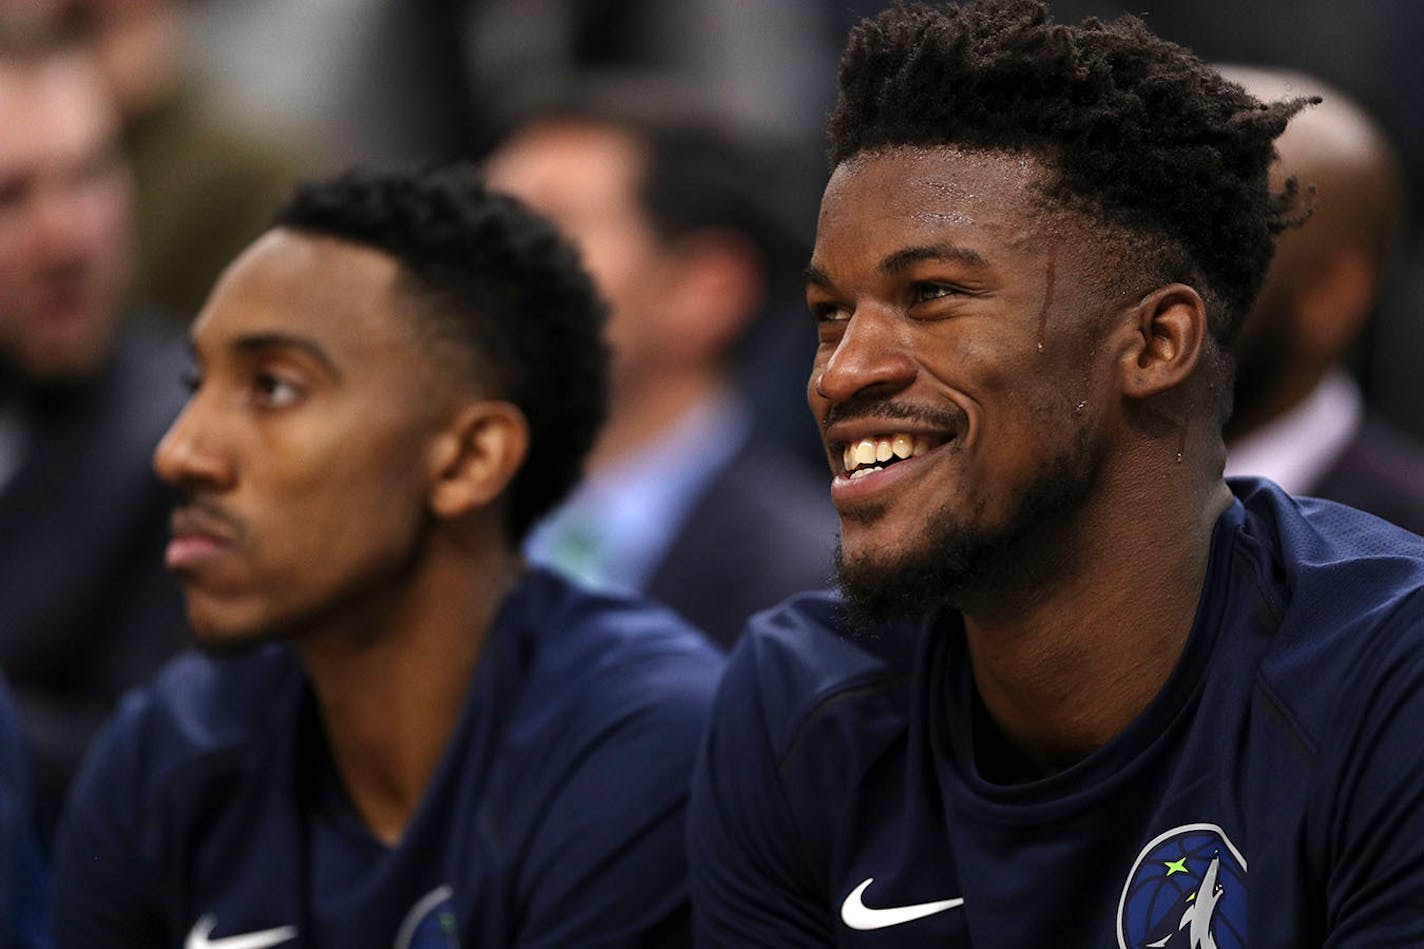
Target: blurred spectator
x=1299 y=417
x=205 y=185
x=669 y=207
x=86 y=609
x=436 y=70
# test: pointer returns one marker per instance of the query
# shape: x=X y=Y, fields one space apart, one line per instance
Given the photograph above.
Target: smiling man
x=420 y=741
x=1076 y=689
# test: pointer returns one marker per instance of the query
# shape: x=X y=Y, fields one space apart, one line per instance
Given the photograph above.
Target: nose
x=873 y=353
x=187 y=456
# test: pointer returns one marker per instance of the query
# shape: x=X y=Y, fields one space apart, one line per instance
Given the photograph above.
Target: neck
x=645 y=409
x=390 y=688
x=1064 y=668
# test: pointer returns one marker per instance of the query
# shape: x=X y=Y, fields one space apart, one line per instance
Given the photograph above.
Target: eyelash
x=266 y=383
x=927 y=292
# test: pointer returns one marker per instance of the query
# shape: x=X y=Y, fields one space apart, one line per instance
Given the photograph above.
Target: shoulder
x=1344 y=591
x=607 y=653
x=198 y=711
x=799 y=671
x=1327 y=556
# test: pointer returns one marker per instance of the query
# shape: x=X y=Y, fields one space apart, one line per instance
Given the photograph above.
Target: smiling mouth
x=866 y=456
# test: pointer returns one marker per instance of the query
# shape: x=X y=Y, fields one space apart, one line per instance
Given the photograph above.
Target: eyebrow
x=256 y=342
x=904 y=259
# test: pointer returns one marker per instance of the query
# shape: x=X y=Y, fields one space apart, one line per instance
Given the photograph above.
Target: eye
x=828 y=313
x=927 y=292
x=273 y=391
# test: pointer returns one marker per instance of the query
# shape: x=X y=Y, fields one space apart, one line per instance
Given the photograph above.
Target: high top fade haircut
x=1141 y=134
x=494 y=283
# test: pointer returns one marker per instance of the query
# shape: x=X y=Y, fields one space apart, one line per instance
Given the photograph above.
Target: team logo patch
x=430 y=924
x=1187 y=890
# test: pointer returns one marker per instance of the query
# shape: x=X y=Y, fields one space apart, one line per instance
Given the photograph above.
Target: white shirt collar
x=1298 y=448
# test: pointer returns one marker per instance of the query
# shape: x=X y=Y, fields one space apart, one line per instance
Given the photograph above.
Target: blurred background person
x=670 y=205
x=205 y=183
x=1299 y=417
x=86 y=609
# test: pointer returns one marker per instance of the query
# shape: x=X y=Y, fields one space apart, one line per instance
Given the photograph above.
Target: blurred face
x=64 y=219
x=584 y=176
x=958 y=380
x=301 y=453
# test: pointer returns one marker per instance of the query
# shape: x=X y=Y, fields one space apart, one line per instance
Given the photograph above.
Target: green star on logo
x=1176 y=866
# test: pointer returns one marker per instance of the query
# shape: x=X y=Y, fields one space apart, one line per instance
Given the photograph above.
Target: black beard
x=954 y=557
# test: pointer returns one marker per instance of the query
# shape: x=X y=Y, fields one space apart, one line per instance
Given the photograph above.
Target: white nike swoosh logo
x=857 y=915
x=203 y=928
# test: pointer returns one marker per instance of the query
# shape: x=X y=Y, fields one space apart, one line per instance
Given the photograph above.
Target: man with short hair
x=86 y=391
x=671 y=205
x=1077 y=690
x=1300 y=418
x=423 y=741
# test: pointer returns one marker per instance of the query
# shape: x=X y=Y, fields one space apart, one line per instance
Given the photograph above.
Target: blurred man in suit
x=88 y=610
x=668 y=205
x=1299 y=417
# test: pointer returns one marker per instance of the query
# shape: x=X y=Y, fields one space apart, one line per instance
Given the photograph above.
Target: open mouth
x=866 y=456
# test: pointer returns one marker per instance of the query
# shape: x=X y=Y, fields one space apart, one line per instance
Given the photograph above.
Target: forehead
x=342 y=297
x=919 y=195
x=566 y=161
x=52 y=106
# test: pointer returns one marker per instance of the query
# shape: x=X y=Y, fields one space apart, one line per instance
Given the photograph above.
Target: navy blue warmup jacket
x=210 y=814
x=1272 y=795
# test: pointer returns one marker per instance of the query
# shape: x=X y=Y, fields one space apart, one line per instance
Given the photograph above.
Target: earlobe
x=1165 y=342
x=476 y=457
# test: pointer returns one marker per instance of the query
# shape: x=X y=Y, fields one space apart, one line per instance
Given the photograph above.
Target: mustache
x=870 y=406
x=209 y=512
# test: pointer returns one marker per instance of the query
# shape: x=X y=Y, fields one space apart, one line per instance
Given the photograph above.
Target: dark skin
x=344 y=486
x=945 y=291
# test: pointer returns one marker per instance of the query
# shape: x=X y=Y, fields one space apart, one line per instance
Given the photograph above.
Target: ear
x=475 y=458
x=1163 y=342
x=718 y=285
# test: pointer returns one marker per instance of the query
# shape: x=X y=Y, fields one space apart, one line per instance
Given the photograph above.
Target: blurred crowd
x=143 y=143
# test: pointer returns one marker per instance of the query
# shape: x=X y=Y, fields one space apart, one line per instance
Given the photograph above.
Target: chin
x=223 y=632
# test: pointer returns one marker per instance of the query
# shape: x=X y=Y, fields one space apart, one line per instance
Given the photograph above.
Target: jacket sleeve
x=103 y=884
x=607 y=866
x=1371 y=810
x=752 y=877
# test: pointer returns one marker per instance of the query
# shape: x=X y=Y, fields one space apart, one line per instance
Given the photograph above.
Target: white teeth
x=862 y=472
x=872 y=451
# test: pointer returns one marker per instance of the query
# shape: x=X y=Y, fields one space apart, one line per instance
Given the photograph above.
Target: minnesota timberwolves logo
x=430 y=924
x=1187 y=890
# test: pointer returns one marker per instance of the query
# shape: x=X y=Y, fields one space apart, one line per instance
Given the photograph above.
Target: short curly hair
x=1140 y=132
x=503 y=286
